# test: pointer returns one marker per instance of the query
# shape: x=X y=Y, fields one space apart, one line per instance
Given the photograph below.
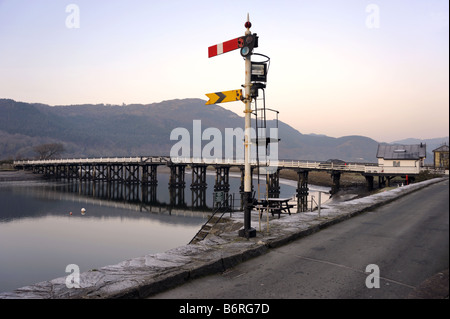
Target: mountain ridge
x=101 y=130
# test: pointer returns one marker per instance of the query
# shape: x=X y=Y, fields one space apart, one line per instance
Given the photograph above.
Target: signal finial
x=248 y=24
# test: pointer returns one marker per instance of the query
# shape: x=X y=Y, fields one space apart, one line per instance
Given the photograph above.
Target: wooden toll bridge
x=143 y=170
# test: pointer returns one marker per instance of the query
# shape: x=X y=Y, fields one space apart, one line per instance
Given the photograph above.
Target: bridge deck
x=366 y=169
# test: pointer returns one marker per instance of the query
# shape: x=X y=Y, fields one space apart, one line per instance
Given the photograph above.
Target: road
x=407 y=240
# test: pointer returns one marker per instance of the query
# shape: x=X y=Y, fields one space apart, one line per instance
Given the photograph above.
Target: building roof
x=443 y=148
x=402 y=152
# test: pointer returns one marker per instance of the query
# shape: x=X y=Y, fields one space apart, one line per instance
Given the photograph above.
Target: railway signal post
x=246 y=45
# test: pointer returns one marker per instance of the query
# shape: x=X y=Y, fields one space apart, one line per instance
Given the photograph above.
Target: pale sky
x=354 y=67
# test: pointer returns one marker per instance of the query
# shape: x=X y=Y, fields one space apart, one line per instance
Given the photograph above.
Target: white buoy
x=83 y=211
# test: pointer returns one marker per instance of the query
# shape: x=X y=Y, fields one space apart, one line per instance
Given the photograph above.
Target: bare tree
x=48 y=151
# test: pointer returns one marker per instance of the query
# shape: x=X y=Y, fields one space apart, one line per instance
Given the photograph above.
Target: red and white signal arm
x=225 y=47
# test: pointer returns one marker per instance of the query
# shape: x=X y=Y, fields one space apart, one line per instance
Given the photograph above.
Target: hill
x=432 y=144
x=133 y=130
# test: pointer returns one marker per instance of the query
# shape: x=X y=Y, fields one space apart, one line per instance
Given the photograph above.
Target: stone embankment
x=143 y=276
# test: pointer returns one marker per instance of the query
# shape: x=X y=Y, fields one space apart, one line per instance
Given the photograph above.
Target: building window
x=396 y=163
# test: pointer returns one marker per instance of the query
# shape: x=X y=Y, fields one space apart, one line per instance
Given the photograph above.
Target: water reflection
x=38 y=200
x=42 y=229
x=39 y=236
x=159 y=199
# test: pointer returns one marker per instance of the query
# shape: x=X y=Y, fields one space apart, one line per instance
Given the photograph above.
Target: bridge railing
x=322 y=166
x=135 y=159
x=392 y=170
x=274 y=163
x=202 y=160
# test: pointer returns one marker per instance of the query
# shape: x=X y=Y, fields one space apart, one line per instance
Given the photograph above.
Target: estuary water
x=47 y=225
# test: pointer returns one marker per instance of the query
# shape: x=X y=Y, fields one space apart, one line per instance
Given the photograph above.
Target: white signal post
x=248 y=231
x=246 y=44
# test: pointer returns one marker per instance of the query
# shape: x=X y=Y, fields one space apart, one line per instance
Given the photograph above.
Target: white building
x=401 y=155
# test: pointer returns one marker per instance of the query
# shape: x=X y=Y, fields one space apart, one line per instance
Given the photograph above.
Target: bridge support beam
x=149 y=174
x=176 y=178
x=381 y=181
x=199 y=185
x=86 y=172
x=49 y=171
x=60 y=171
x=37 y=169
x=198 y=176
x=131 y=173
x=388 y=180
x=115 y=173
x=336 y=176
x=302 y=191
x=273 y=184
x=72 y=171
x=177 y=185
x=222 y=181
x=369 y=182
x=100 y=172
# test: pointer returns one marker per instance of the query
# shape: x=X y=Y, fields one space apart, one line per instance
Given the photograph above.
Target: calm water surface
x=39 y=237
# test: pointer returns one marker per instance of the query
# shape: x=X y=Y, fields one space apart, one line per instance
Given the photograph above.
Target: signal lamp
x=259 y=72
x=247 y=44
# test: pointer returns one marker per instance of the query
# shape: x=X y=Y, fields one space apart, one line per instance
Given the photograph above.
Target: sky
x=375 y=68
